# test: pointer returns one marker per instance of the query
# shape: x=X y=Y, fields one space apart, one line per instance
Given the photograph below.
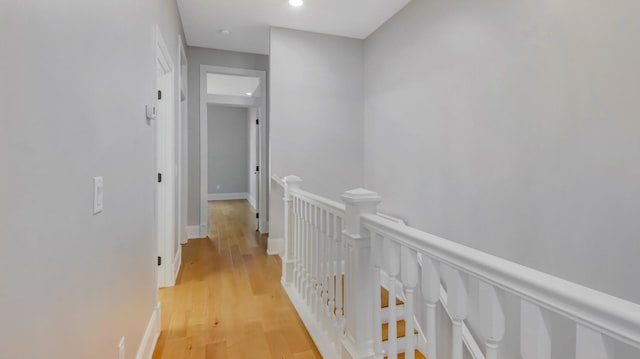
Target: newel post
x=288 y=261
x=358 y=289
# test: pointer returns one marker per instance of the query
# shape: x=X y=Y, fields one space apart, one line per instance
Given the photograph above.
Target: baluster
x=392 y=267
x=592 y=345
x=409 y=275
x=302 y=240
x=322 y=283
x=318 y=257
x=331 y=300
x=431 y=297
x=457 y=304
x=491 y=319
x=315 y=257
x=307 y=243
x=313 y=261
x=326 y=276
x=535 y=341
x=295 y=242
x=337 y=228
x=376 y=264
x=310 y=242
x=346 y=278
x=299 y=240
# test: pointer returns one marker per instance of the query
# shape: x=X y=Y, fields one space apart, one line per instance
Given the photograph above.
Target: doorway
x=233 y=87
x=230 y=156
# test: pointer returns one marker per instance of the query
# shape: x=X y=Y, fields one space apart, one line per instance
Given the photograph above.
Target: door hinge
x=159 y=95
x=257 y=121
x=159 y=177
x=257 y=215
x=257 y=168
x=159 y=260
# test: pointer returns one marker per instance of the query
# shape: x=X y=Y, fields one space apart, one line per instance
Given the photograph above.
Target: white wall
x=252 y=115
x=200 y=56
x=228 y=149
x=512 y=127
x=76 y=76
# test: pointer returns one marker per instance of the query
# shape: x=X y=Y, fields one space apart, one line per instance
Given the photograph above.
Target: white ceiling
x=249 y=20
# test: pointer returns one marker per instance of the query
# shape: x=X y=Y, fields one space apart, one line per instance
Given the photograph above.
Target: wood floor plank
x=228 y=302
x=216 y=350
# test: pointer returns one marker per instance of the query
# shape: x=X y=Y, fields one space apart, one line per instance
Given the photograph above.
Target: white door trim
x=165 y=161
x=261 y=104
x=182 y=141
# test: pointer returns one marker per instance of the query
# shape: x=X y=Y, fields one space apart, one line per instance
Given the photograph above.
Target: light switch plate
x=98 y=190
x=151 y=111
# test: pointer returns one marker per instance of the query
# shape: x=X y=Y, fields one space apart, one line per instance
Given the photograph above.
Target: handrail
x=337 y=207
x=607 y=314
x=278 y=180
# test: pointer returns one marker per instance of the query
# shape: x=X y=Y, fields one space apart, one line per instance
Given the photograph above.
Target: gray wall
x=316 y=115
x=228 y=149
x=316 y=110
x=76 y=76
x=197 y=56
x=512 y=127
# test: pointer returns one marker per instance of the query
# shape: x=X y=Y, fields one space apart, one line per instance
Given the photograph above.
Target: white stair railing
x=313 y=266
x=329 y=243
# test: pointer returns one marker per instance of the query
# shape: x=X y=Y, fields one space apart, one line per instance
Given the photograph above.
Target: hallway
x=228 y=301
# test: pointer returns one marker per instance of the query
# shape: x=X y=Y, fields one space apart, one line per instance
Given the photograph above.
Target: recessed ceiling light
x=296 y=3
x=249 y=94
x=225 y=32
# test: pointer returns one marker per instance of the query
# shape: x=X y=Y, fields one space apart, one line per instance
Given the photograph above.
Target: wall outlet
x=218 y=186
x=121 y=349
x=98 y=185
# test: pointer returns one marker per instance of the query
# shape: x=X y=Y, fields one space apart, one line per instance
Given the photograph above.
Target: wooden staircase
x=401 y=324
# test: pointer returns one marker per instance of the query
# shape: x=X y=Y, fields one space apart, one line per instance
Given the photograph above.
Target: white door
x=258 y=169
x=165 y=166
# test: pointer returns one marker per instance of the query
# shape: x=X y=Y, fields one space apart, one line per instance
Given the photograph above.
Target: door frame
x=239 y=101
x=182 y=143
x=165 y=153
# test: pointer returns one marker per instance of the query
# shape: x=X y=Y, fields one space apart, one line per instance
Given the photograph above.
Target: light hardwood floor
x=228 y=301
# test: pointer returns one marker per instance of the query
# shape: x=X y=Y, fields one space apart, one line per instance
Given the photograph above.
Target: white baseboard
x=193 y=232
x=184 y=235
x=252 y=201
x=275 y=246
x=177 y=263
x=226 y=196
x=151 y=334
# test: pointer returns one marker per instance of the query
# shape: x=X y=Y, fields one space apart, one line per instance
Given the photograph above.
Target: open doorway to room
x=229 y=156
x=233 y=149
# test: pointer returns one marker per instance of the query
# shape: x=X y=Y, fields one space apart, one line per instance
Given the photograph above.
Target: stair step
x=401 y=344
x=384 y=298
x=418 y=355
x=401 y=325
x=401 y=330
